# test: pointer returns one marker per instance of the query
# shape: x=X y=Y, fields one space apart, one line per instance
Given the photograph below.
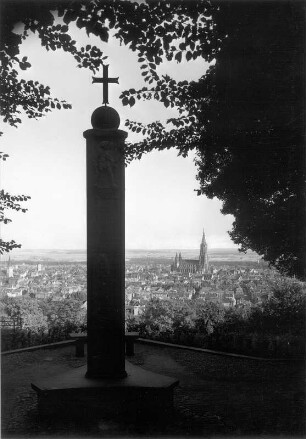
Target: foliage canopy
x=244 y=117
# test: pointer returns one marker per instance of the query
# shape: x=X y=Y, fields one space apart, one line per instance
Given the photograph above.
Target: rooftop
x=217 y=395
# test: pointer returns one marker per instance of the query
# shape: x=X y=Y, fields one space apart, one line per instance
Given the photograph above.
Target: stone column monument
x=105 y=245
x=108 y=384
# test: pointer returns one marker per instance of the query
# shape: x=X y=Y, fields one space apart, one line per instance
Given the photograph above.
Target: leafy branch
x=9 y=202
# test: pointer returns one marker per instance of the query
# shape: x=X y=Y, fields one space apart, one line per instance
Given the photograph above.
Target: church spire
x=203 y=236
x=203 y=258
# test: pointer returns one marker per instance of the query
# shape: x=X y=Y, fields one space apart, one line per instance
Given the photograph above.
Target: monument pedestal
x=140 y=394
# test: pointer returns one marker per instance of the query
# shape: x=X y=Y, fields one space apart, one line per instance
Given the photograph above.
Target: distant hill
x=54 y=255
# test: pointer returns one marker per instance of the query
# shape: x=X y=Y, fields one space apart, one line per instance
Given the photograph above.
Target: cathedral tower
x=203 y=258
x=189 y=266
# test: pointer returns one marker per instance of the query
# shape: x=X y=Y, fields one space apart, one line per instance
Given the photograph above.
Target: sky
x=47 y=161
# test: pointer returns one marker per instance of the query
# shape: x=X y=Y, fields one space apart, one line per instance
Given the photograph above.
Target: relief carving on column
x=107 y=168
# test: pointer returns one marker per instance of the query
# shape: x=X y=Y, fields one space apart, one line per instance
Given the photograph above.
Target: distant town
x=231 y=282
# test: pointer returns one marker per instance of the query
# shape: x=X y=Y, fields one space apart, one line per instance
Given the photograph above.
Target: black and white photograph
x=153 y=218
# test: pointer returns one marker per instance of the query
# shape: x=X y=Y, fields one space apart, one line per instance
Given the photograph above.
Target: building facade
x=190 y=266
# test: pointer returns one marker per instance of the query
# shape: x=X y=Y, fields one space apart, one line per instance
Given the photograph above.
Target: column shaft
x=105 y=253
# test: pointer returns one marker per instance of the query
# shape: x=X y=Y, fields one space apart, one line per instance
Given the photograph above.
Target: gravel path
x=237 y=396
x=216 y=396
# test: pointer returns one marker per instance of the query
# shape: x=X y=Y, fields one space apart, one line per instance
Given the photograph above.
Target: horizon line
x=129 y=249
x=179 y=249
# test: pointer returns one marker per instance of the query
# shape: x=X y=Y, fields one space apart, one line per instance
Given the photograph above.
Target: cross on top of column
x=105 y=80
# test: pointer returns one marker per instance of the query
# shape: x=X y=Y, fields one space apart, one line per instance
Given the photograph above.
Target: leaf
x=188 y=56
x=178 y=57
x=79 y=23
x=103 y=34
x=132 y=101
x=66 y=18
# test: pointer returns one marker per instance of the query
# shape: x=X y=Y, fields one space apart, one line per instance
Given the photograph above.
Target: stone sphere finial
x=105 y=118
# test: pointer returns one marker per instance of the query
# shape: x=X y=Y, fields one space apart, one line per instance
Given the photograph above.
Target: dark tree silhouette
x=244 y=117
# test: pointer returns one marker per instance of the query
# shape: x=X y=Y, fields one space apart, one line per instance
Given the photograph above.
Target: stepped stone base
x=71 y=394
